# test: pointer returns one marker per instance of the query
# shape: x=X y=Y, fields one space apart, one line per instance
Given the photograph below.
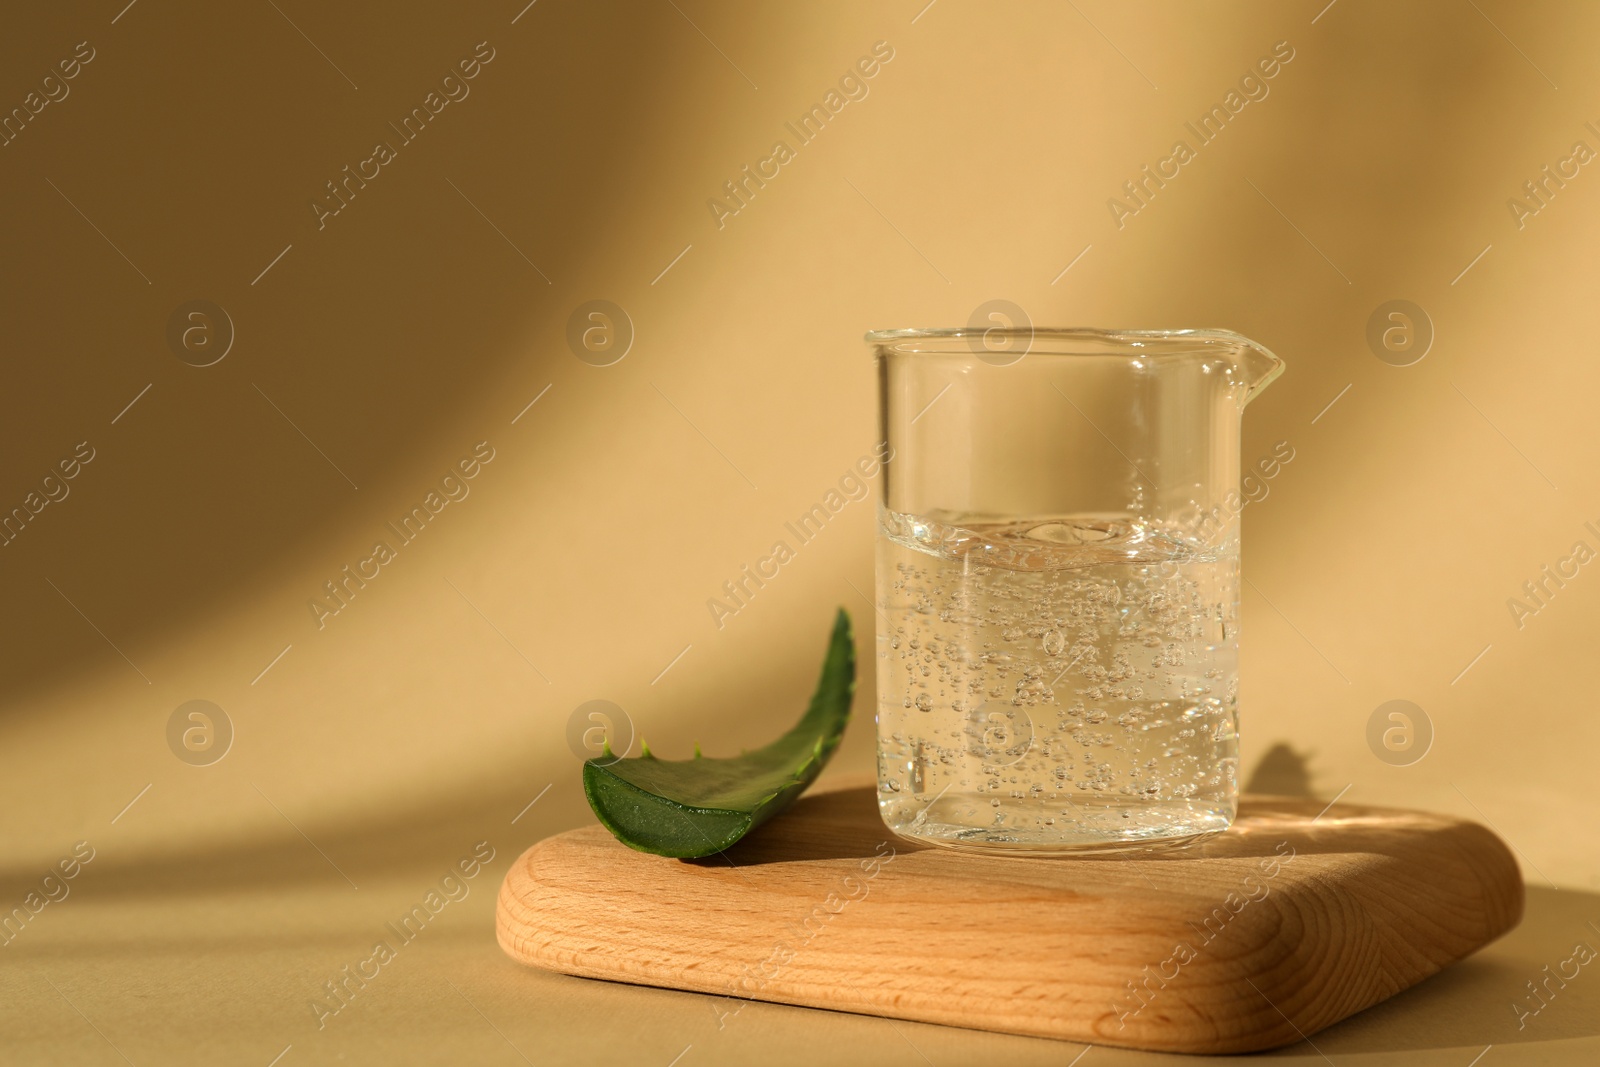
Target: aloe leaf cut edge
x=699 y=807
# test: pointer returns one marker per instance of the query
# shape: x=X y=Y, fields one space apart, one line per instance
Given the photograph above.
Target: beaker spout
x=1257 y=368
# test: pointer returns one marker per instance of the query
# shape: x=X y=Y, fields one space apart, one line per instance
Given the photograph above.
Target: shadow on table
x=845 y=824
x=1482 y=1000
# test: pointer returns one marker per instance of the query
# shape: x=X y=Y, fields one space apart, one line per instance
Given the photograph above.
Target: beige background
x=427 y=315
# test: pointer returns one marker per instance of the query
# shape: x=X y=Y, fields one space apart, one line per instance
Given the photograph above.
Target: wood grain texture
x=1242 y=941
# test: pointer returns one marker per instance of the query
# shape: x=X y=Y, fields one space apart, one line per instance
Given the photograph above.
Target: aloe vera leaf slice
x=698 y=807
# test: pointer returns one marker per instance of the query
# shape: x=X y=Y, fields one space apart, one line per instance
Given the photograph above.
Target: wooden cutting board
x=1242 y=941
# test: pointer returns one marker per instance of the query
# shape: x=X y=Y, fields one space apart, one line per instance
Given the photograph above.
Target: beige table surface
x=216 y=959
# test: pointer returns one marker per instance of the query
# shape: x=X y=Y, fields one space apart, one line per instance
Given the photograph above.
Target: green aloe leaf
x=700 y=806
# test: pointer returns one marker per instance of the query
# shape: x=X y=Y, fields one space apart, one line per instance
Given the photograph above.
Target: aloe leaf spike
x=701 y=806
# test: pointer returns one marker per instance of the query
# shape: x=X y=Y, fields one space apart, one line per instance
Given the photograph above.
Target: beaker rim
x=1133 y=343
x=1002 y=346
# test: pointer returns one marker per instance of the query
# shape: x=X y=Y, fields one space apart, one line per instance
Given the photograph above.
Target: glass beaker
x=1058 y=583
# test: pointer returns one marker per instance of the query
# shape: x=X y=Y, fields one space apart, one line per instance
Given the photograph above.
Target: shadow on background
x=1281 y=772
x=381 y=340
x=362 y=359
